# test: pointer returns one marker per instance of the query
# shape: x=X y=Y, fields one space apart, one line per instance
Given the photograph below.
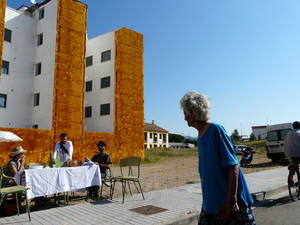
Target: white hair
x=196 y=104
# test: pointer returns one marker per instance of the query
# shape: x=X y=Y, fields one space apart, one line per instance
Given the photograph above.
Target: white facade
x=154 y=139
x=155 y=136
x=22 y=83
x=260 y=132
x=23 y=54
x=95 y=73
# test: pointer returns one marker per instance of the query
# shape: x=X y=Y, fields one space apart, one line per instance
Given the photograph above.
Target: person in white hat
x=15 y=165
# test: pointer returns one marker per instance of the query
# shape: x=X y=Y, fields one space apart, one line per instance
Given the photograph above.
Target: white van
x=275 y=140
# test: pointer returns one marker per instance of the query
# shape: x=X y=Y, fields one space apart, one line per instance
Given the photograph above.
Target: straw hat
x=17 y=150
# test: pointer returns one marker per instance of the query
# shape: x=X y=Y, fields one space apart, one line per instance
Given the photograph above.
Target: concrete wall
x=94 y=73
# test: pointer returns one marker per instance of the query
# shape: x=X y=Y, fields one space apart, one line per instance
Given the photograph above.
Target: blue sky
x=244 y=55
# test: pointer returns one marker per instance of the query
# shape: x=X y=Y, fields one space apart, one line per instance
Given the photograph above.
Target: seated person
x=102 y=159
x=15 y=165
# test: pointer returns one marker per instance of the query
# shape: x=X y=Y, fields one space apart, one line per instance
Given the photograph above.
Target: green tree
x=176 y=138
x=235 y=136
x=252 y=137
x=259 y=137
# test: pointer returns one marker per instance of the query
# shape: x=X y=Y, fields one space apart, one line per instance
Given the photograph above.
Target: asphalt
x=177 y=206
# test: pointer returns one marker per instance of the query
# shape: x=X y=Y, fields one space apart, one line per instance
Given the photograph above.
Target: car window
x=273 y=135
x=283 y=133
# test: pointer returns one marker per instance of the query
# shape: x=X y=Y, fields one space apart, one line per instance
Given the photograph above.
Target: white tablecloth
x=55 y=180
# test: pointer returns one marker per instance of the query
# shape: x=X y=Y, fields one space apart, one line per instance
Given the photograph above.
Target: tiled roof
x=153 y=127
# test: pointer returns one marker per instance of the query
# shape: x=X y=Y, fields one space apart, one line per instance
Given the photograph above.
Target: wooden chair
x=132 y=164
x=4 y=191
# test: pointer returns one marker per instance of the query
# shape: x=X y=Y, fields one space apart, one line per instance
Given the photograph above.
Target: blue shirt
x=216 y=154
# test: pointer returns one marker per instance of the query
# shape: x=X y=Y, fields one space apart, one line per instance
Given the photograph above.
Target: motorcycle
x=247 y=156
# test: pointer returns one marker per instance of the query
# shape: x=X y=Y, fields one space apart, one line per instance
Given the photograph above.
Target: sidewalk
x=181 y=204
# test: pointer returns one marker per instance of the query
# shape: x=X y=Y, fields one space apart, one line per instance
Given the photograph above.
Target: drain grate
x=148 y=210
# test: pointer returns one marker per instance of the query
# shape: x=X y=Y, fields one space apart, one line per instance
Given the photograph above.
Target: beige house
x=155 y=136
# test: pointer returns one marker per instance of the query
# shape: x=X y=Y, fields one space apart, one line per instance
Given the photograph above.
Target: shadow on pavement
x=101 y=202
x=267 y=203
x=268 y=164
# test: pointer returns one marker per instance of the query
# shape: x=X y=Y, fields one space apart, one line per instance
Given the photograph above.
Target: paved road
x=278 y=211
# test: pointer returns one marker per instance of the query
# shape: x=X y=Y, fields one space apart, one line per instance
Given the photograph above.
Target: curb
x=262 y=195
x=193 y=217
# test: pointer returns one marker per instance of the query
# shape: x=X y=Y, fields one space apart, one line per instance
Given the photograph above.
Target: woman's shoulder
x=11 y=163
x=217 y=126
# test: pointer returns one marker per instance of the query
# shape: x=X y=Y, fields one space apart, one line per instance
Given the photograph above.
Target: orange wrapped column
x=2 y=26
x=129 y=94
x=69 y=73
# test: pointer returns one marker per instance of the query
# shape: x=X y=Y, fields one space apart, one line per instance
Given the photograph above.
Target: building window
x=41 y=13
x=7 y=35
x=40 y=39
x=89 y=85
x=36 y=99
x=155 y=137
x=105 y=56
x=160 y=136
x=105 y=82
x=145 y=136
x=38 y=69
x=88 y=61
x=151 y=135
x=88 y=111
x=5 y=67
x=164 y=137
x=35 y=126
x=104 y=109
x=3 y=98
x=145 y=146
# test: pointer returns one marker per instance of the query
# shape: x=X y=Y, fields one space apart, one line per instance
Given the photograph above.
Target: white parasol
x=6 y=136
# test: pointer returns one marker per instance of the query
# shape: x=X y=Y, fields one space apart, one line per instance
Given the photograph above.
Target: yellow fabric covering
x=2 y=17
x=68 y=94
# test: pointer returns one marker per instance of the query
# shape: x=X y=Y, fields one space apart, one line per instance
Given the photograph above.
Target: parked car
x=275 y=140
x=239 y=148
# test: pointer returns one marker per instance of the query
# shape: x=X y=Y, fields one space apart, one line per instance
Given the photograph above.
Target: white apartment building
x=28 y=60
x=99 y=83
x=28 y=68
x=155 y=136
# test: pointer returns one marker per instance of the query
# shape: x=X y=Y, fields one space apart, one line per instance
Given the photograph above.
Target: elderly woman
x=15 y=165
x=226 y=197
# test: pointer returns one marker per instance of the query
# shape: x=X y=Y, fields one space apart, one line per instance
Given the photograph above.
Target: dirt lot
x=178 y=171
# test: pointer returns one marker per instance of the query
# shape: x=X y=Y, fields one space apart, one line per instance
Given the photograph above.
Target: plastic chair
x=13 y=190
x=129 y=163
